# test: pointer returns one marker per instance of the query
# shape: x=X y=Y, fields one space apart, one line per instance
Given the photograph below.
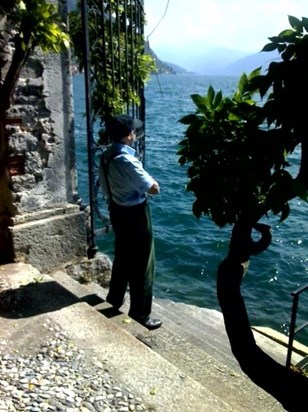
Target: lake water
x=188 y=250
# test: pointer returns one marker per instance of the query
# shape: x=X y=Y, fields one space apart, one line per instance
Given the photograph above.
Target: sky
x=193 y=25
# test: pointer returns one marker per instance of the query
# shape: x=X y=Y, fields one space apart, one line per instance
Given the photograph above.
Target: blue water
x=188 y=250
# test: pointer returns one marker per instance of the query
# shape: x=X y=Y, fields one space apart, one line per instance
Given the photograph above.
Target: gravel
x=61 y=377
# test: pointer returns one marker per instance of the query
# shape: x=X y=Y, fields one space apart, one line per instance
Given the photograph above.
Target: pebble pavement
x=61 y=377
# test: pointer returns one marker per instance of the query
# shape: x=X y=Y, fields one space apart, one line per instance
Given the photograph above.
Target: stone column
x=46 y=227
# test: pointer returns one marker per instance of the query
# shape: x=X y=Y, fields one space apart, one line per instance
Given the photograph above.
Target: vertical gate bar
x=137 y=43
x=141 y=88
x=126 y=51
x=119 y=49
x=136 y=55
x=92 y=248
x=103 y=20
x=141 y=28
x=111 y=46
x=132 y=51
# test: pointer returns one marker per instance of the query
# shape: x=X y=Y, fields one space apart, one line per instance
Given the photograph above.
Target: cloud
x=243 y=25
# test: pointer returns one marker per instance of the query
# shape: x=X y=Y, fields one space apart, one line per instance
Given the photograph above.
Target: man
x=126 y=184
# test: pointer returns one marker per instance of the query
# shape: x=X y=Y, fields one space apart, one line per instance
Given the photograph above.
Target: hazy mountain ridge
x=161 y=67
x=178 y=69
x=224 y=64
x=250 y=63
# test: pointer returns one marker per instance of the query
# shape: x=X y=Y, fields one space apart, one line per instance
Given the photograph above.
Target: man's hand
x=154 y=189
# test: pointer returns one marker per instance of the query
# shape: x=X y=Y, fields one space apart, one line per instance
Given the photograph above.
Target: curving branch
x=19 y=59
x=287 y=386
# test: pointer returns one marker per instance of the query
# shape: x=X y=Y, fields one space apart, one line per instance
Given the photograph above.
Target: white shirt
x=127 y=178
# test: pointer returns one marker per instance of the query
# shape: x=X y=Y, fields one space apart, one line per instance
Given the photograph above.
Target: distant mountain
x=223 y=62
x=210 y=61
x=178 y=69
x=249 y=63
x=200 y=58
x=161 y=67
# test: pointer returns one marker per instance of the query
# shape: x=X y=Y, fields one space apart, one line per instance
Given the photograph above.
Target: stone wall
x=45 y=141
x=45 y=225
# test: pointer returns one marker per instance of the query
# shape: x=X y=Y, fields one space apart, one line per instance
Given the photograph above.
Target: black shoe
x=152 y=323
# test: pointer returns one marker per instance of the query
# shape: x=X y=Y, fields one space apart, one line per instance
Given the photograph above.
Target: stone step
x=186 y=350
x=213 y=340
x=206 y=333
x=212 y=325
x=183 y=353
x=233 y=387
x=161 y=385
x=211 y=322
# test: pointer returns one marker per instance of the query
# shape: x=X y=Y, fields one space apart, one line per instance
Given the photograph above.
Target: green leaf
x=296 y=24
x=269 y=47
x=66 y=43
x=210 y=94
x=274 y=39
x=198 y=100
x=182 y=151
x=189 y=119
x=305 y=23
x=197 y=210
x=255 y=73
x=183 y=143
x=22 y=5
x=287 y=34
x=153 y=391
x=217 y=99
x=285 y=211
x=182 y=160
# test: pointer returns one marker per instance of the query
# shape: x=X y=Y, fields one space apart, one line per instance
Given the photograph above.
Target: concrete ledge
x=44 y=214
x=52 y=241
x=282 y=339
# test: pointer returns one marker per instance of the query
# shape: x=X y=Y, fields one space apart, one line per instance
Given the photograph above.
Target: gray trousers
x=134 y=258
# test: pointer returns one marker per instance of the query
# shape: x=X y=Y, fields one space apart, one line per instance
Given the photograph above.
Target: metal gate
x=113 y=37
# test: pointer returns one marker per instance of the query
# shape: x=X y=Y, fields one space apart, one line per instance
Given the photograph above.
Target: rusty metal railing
x=293 y=329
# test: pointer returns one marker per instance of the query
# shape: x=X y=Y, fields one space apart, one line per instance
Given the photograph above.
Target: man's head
x=121 y=126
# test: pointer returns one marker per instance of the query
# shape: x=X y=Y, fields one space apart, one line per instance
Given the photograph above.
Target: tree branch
x=287 y=386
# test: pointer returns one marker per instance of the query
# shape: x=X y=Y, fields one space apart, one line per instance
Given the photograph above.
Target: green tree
x=236 y=149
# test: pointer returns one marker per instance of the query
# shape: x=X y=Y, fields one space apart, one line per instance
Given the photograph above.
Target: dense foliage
x=237 y=147
x=118 y=65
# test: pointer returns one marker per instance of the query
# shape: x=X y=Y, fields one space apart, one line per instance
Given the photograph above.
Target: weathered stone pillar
x=44 y=224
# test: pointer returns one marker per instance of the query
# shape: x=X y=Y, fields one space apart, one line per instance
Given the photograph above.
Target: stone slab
x=50 y=242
